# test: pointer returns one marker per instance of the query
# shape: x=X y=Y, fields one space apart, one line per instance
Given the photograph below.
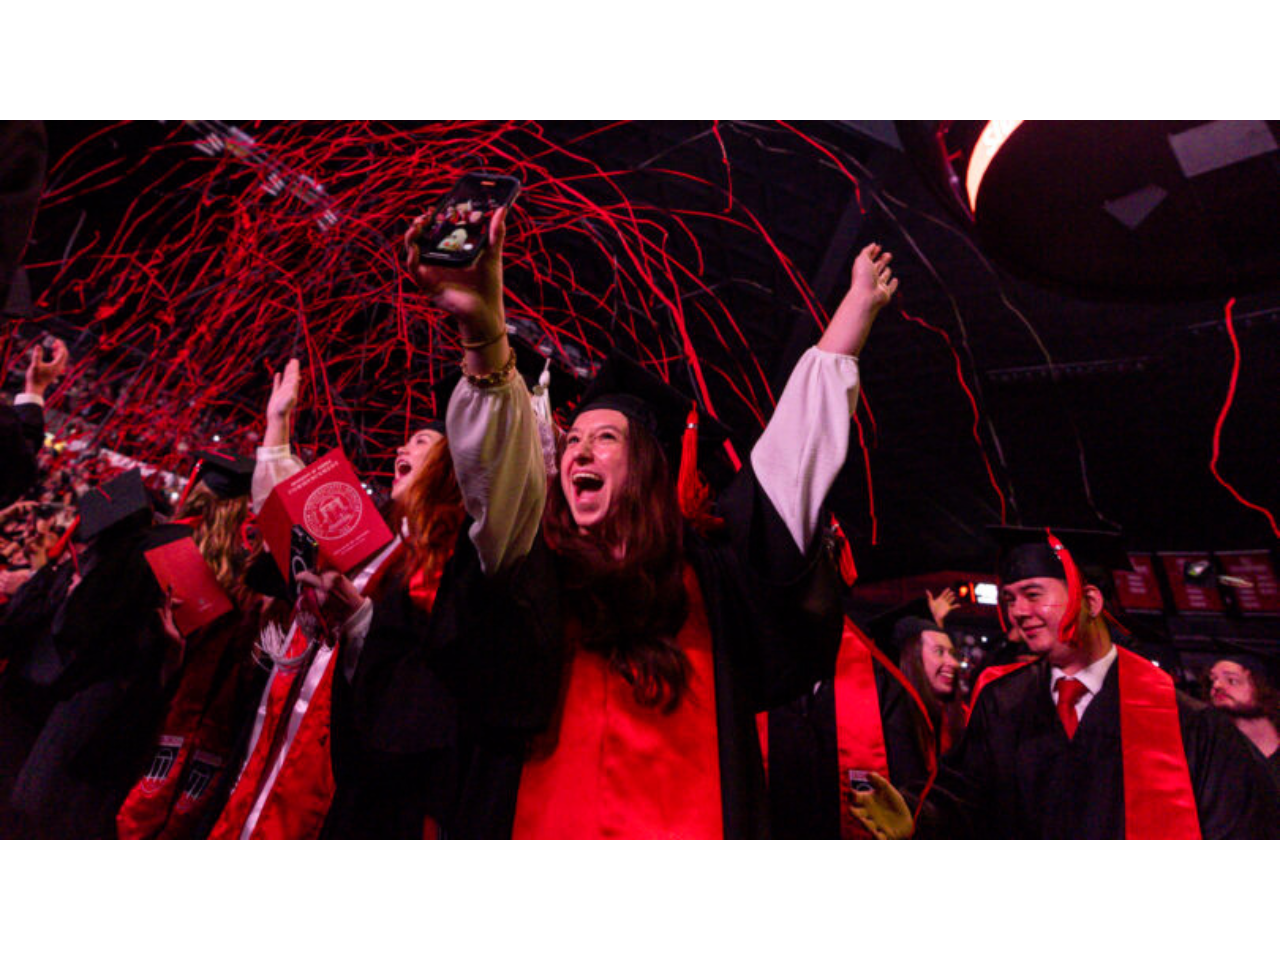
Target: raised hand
x=942 y=604
x=281 y=405
x=872 y=281
x=41 y=373
x=471 y=295
x=882 y=810
x=871 y=286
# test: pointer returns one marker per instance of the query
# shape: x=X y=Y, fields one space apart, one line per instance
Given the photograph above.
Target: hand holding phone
x=470 y=291
x=860 y=781
x=456 y=232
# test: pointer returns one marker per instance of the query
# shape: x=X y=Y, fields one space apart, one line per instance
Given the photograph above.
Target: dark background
x=1117 y=431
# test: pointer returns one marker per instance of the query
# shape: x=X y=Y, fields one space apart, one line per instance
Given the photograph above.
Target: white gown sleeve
x=805 y=444
x=275 y=464
x=498 y=457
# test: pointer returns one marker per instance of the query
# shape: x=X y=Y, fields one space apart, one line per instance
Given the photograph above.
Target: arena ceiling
x=989 y=395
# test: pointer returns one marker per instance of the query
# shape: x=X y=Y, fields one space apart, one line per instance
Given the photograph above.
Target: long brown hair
x=219 y=542
x=433 y=508
x=630 y=608
x=948 y=713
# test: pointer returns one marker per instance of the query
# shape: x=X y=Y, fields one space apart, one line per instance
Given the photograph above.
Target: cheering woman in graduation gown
x=649 y=647
x=308 y=769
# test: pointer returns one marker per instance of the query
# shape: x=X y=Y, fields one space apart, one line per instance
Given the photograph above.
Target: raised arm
x=276 y=461
x=805 y=444
x=41 y=373
x=493 y=434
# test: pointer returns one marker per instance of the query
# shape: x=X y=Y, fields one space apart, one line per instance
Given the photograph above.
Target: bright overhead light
x=986 y=593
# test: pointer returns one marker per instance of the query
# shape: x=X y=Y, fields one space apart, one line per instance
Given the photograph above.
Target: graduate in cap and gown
x=1090 y=740
x=395 y=723
x=99 y=674
x=647 y=646
x=866 y=717
x=1244 y=686
x=187 y=779
x=310 y=768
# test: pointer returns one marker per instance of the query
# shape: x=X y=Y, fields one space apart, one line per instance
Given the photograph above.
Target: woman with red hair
x=309 y=769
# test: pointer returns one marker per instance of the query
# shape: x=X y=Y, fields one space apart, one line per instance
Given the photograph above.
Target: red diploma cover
x=179 y=567
x=327 y=500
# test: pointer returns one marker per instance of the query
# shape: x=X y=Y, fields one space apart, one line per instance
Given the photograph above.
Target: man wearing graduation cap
x=649 y=647
x=1090 y=741
x=1241 y=686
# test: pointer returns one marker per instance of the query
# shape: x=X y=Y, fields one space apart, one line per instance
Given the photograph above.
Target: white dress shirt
x=1091 y=676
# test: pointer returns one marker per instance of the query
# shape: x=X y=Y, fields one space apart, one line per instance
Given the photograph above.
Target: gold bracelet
x=481 y=344
x=497 y=378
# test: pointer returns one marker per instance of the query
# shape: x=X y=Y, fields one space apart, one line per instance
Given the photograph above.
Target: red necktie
x=1070 y=690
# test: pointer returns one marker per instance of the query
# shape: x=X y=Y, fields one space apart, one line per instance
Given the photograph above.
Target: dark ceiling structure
x=1060 y=359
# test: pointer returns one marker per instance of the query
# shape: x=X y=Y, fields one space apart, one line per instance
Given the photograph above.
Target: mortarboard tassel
x=848 y=569
x=187 y=489
x=1069 y=628
x=694 y=494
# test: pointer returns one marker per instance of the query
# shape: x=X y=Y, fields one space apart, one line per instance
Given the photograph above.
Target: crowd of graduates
x=568 y=634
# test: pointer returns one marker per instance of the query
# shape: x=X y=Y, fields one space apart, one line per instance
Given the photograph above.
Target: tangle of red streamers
x=973 y=407
x=284 y=240
x=1222 y=416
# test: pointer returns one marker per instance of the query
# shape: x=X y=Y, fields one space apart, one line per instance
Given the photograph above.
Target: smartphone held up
x=458 y=228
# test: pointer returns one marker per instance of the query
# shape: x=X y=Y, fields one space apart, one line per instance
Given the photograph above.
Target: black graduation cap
x=895 y=628
x=118 y=502
x=644 y=398
x=227 y=475
x=1025 y=552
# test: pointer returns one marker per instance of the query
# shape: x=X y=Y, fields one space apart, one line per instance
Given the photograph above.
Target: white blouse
x=497 y=454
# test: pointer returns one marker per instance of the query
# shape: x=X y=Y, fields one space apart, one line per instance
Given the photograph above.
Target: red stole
x=616 y=769
x=192 y=748
x=1159 y=803
x=859 y=730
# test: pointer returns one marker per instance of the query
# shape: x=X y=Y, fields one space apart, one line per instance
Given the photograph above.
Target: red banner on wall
x=1255 y=566
x=1137 y=589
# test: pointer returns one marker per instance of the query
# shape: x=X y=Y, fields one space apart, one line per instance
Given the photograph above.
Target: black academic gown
x=21 y=434
x=393 y=730
x=99 y=667
x=1271 y=764
x=775 y=622
x=1016 y=775
x=805 y=792
x=25 y=706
